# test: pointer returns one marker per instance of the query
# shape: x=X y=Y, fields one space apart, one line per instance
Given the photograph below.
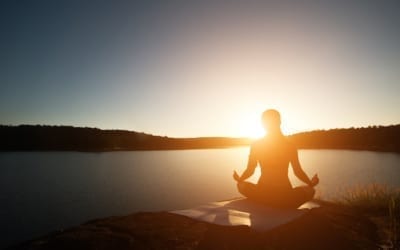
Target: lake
x=46 y=191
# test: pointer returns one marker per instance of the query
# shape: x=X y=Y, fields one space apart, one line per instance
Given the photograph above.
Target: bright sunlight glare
x=250 y=126
x=254 y=131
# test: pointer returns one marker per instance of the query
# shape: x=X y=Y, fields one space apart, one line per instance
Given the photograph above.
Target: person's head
x=271 y=120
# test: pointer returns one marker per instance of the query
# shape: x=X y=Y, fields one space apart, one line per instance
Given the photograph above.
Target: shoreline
x=68 y=138
x=185 y=149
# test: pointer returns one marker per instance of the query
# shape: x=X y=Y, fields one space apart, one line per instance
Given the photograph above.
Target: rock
x=327 y=227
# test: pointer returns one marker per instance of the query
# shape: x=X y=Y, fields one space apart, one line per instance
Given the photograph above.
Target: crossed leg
x=290 y=199
x=249 y=190
x=300 y=195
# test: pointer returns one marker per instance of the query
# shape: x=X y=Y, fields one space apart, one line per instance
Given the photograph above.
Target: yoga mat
x=242 y=211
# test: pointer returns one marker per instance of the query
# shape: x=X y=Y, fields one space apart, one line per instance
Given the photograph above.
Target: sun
x=249 y=124
x=252 y=130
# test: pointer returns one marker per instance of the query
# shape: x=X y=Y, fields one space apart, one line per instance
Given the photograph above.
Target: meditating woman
x=274 y=153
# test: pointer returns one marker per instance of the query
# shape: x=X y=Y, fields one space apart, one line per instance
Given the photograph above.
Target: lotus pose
x=274 y=153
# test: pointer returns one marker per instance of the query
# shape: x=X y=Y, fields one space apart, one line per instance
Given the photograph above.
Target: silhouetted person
x=274 y=153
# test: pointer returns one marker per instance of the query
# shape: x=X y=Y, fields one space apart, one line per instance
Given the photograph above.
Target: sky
x=200 y=68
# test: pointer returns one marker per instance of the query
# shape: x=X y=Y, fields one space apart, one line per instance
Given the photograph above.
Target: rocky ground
x=327 y=227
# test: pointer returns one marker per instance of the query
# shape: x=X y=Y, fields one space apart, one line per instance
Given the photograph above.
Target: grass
x=379 y=201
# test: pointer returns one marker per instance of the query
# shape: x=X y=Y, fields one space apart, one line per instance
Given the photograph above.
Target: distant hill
x=373 y=138
x=68 y=138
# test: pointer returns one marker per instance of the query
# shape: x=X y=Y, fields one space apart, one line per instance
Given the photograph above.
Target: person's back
x=273 y=155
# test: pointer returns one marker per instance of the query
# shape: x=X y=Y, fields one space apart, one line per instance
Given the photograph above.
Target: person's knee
x=241 y=187
x=247 y=189
x=310 y=191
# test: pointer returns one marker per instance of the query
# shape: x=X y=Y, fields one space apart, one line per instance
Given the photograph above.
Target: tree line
x=373 y=138
x=68 y=138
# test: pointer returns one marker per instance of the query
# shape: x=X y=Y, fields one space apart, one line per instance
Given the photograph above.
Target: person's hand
x=314 y=180
x=236 y=176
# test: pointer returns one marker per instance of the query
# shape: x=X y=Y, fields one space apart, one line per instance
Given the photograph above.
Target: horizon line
x=195 y=137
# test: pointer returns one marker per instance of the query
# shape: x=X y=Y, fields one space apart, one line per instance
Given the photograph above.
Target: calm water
x=46 y=191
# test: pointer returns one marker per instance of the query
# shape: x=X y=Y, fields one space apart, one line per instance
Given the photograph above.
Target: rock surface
x=327 y=227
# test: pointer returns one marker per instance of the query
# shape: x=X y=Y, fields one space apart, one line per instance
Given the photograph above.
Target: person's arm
x=298 y=171
x=251 y=166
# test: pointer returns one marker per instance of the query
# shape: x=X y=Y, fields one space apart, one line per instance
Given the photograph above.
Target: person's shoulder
x=290 y=143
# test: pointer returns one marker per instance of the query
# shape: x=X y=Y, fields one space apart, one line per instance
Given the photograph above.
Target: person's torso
x=274 y=156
